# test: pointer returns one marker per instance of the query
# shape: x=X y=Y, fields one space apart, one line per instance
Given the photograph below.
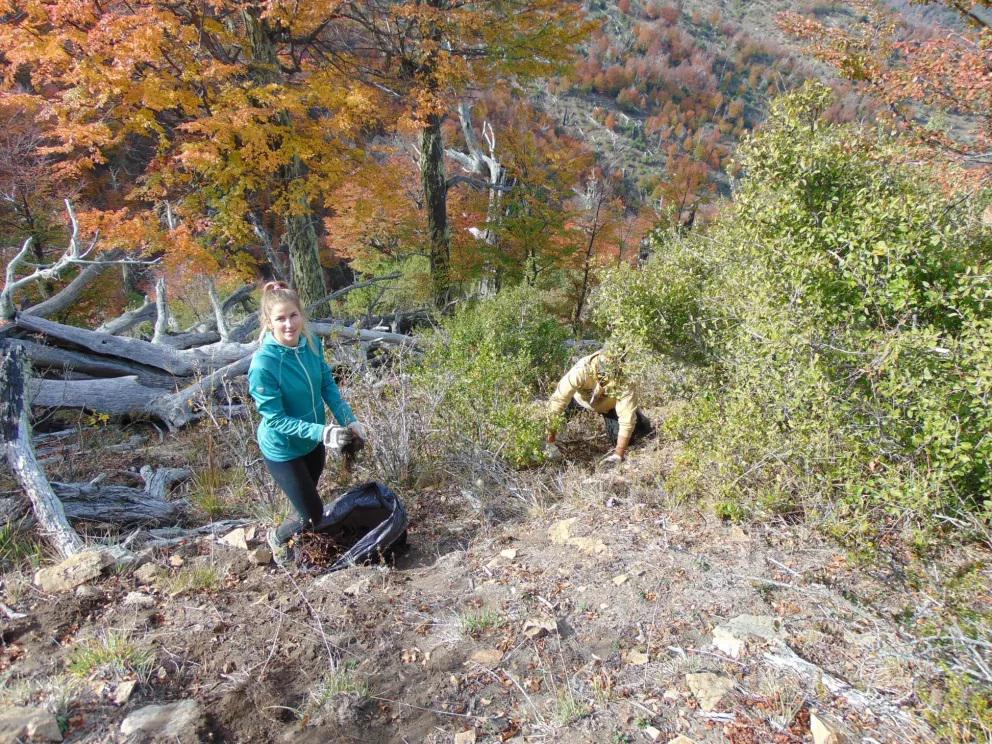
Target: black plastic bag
x=370 y=512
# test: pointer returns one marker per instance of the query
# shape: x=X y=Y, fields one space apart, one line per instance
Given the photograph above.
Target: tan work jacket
x=580 y=382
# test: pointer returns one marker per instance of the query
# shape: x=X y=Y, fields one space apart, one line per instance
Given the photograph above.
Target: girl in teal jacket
x=290 y=383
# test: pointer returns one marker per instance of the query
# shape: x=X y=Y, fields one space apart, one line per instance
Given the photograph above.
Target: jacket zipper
x=309 y=383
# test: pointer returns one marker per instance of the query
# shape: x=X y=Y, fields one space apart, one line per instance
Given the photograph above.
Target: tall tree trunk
x=436 y=200
x=301 y=241
x=299 y=233
x=15 y=440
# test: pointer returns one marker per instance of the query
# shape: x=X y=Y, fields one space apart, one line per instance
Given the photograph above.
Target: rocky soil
x=604 y=612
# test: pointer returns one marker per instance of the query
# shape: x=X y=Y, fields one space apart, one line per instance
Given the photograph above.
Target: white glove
x=358 y=430
x=609 y=462
x=336 y=437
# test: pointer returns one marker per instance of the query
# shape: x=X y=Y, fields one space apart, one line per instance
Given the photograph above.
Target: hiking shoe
x=280 y=550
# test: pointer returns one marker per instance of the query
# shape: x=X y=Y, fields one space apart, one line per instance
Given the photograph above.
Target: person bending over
x=290 y=383
x=596 y=382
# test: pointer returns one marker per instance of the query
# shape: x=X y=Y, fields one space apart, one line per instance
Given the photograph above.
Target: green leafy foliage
x=842 y=310
x=491 y=359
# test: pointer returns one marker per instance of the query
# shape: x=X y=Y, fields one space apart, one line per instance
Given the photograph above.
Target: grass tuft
x=114 y=655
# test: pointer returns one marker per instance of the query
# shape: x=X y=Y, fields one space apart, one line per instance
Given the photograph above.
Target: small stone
x=539 y=628
x=671 y=694
x=559 y=532
x=621 y=579
x=636 y=658
x=124 y=691
x=139 y=599
x=73 y=571
x=488 y=657
x=161 y=673
x=88 y=591
x=236 y=539
x=653 y=733
x=260 y=556
x=465 y=737
x=362 y=586
x=28 y=724
x=987 y=216
x=176 y=561
x=738 y=535
x=681 y=740
x=732 y=636
x=510 y=554
x=825 y=729
x=588 y=545
x=176 y=722
x=708 y=688
x=147 y=573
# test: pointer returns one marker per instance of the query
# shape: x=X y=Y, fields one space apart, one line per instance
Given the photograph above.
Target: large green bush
x=490 y=360
x=844 y=310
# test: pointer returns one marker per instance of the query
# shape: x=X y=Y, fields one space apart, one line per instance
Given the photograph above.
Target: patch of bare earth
x=590 y=619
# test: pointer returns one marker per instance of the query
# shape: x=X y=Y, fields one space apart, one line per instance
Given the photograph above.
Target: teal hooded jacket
x=290 y=386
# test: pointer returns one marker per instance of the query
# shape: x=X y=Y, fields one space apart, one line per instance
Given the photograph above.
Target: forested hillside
x=774 y=217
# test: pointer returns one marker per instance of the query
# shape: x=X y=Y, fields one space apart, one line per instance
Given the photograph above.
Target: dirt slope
x=578 y=621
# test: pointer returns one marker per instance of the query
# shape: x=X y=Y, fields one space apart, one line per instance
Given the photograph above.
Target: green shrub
x=842 y=310
x=490 y=360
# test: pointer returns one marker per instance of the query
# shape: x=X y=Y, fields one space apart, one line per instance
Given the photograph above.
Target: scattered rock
x=176 y=722
x=826 y=729
x=653 y=733
x=88 y=591
x=738 y=535
x=534 y=629
x=636 y=658
x=732 y=636
x=488 y=657
x=28 y=724
x=147 y=573
x=465 y=737
x=671 y=694
x=708 y=688
x=260 y=556
x=621 y=579
x=124 y=691
x=176 y=561
x=139 y=599
x=236 y=539
x=362 y=586
x=681 y=740
x=510 y=554
x=588 y=545
x=559 y=532
x=73 y=571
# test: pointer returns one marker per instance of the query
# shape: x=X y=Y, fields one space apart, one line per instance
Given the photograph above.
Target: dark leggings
x=298 y=480
x=642 y=428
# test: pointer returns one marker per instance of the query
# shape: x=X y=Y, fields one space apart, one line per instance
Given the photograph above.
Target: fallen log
x=15 y=441
x=129 y=319
x=124 y=505
x=58 y=360
x=178 y=363
x=70 y=293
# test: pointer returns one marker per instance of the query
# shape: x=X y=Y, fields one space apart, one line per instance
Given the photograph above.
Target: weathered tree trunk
x=157 y=356
x=161 y=312
x=123 y=505
x=436 y=201
x=60 y=360
x=129 y=319
x=299 y=235
x=16 y=442
x=63 y=299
